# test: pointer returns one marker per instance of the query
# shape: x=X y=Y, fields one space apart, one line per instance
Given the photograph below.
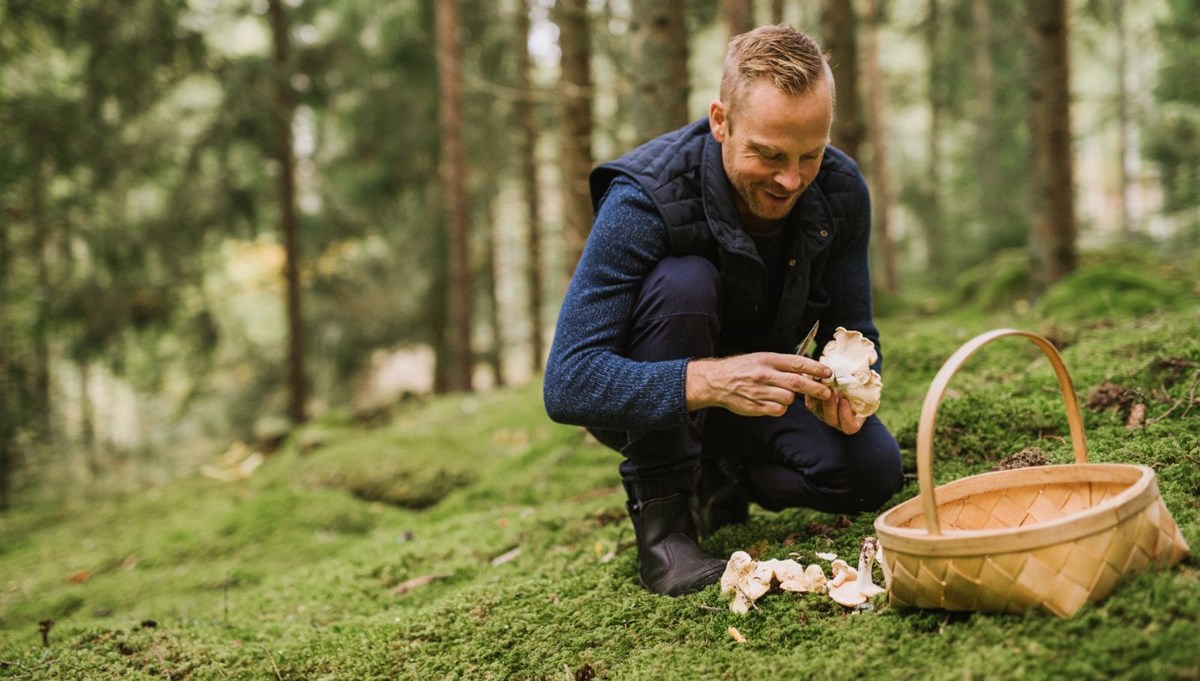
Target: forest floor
x=470 y=537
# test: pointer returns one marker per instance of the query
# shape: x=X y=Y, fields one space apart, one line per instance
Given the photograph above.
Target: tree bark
x=985 y=115
x=881 y=184
x=739 y=16
x=660 y=65
x=777 y=11
x=43 y=404
x=839 y=29
x=1052 y=243
x=527 y=123
x=1128 y=145
x=288 y=227
x=8 y=419
x=455 y=194
x=932 y=217
x=495 y=355
x=575 y=123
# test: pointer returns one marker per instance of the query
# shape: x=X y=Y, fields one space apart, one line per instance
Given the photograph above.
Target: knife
x=802 y=348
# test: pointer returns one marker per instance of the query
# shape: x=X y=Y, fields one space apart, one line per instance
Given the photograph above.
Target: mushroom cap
x=850 y=356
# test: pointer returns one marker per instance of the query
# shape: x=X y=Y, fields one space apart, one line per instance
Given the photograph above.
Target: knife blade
x=802 y=348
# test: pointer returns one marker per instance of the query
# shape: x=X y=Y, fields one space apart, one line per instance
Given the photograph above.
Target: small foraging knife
x=802 y=348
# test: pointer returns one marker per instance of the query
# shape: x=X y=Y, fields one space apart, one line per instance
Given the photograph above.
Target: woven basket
x=1052 y=537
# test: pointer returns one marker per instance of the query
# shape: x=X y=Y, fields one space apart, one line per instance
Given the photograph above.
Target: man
x=714 y=250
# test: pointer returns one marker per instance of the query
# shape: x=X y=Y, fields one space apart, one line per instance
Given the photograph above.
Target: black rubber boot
x=718 y=501
x=670 y=562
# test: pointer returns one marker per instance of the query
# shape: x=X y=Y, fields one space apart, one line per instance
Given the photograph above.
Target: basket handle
x=937 y=390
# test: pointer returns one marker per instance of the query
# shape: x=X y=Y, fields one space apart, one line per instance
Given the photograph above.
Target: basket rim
x=1142 y=490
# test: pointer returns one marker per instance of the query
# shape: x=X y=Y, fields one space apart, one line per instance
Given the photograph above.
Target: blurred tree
x=883 y=244
x=575 y=121
x=282 y=120
x=453 y=176
x=527 y=123
x=839 y=30
x=1173 y=141
x=777 y=11
x=1052 y=240
x=931 y=216
x=739 y=16
x=660 y=60
x=985 y=112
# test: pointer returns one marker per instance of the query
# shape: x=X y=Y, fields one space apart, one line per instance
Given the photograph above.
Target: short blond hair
x=787 y=58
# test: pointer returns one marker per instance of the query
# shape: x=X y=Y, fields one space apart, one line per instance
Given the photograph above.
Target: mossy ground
x=293 y=574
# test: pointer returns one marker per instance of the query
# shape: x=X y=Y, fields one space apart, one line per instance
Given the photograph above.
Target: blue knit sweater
x=589 y=382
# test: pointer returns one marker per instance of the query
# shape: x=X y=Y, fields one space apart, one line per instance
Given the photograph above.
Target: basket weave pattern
x=1050 y=537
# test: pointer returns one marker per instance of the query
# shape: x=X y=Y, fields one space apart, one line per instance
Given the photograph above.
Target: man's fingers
x=810 y=387
x=799 y=364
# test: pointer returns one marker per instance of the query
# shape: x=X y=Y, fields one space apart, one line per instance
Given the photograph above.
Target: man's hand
x=837 y=412
x=757 y=384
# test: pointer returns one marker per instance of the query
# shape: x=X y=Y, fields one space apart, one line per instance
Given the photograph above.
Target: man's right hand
x=757 y=384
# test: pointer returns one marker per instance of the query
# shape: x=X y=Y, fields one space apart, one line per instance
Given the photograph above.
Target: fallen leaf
x=1137 y=417
x=79 y=577
x=506 y=556
x=410 y=584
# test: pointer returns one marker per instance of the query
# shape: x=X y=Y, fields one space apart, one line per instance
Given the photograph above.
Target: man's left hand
x=836 y=412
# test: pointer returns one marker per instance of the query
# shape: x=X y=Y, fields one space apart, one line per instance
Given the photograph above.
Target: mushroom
x=794 y=577
x=852 y=587
x=850 y=356
x=746 y=580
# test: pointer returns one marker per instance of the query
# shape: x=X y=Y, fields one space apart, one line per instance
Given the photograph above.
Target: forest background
x=219 y=218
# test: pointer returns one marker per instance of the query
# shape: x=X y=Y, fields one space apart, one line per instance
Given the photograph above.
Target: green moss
x=292 y=575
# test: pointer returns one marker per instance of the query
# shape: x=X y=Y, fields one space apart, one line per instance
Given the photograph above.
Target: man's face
x=772 y=148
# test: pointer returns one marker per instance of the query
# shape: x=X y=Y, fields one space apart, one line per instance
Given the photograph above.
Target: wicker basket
x=1052 y=537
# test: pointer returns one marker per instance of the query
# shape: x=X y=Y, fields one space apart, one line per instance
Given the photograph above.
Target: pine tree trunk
x=881 y=184
x=455 y=193
x=985 y=115
x=660 y=65
x=1053 y=213
x=932 y=216
x=8 y=419
x=527 y=123
x=776 y=11
x=1128 y=145
x=288 y=227
x=739 y=16
x=575 y=123
x=42 y=408
x=839 y=29
x=495 y=355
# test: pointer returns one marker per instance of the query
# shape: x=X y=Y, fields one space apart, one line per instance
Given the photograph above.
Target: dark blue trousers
x=794 y=460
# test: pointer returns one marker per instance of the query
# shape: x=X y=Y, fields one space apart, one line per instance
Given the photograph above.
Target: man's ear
x=718 y=121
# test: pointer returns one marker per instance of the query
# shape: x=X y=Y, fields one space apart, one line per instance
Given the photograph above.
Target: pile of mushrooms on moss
x=746 y=580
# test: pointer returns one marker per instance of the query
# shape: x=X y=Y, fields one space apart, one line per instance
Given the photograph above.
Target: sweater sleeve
x=589 y=381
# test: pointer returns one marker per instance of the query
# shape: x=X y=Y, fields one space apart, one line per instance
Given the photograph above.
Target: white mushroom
x=867 y=554
x=793 y=577
x=746 y=580
x=850 y=356
x=852 y=587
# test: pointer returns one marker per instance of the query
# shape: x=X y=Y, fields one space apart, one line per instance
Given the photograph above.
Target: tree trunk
x=527 y=123
x=495 y=355
x=1052 y=243
x=454 y=171
x=285 y=157
x=87 y=419
x=739 y=16
x=1128 y=145
x=660 y=65
x=43 y=405
x=985 y=116
x=881 y=184
x=575 y=122
x=8 y=419
x=932 y=217
x=776 y=11
x=839 y=29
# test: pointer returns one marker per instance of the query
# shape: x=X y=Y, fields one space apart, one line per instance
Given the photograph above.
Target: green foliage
x=1111 y=291
x=276 y=578
x=1173 y=141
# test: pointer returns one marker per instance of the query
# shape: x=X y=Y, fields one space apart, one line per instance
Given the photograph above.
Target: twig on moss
x=273 y=665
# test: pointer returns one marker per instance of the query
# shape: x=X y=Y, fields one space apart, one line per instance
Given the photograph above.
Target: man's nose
x=789 y=178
